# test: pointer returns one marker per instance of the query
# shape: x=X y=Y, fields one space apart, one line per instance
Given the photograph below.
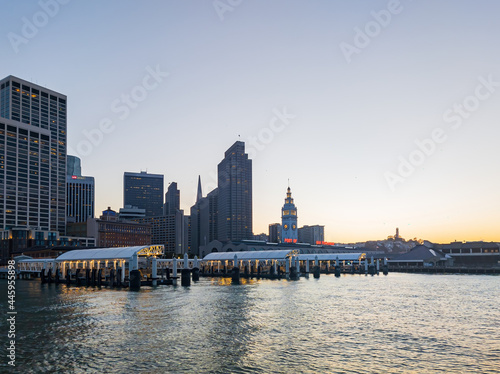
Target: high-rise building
x=289 y=219
x=168 y=228
x=80 y=193
x=204 y=219
x=186 y=245
x=275 y=233
x=144 y=191
x=312 y=234
x=32 y=156
x=172 y=200
x=213 y=214
x=235 y=194
x=199 y=220
x=73 y=166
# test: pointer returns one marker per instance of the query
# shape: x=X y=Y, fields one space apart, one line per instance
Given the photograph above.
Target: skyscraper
x=199 y=221
x=172 y=199
x=213 y=214
x=144 y=191
x=289 y=219
x=235 y=194
x=32 y=156
x=80 y=193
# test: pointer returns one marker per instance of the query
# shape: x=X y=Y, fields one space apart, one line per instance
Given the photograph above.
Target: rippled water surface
x=354 y=324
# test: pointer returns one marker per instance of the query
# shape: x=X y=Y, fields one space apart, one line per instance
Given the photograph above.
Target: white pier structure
x=278 y=261
x=124 y=259
x=252 y=260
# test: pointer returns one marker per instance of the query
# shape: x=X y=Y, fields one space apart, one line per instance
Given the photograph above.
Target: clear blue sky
x=426 y=69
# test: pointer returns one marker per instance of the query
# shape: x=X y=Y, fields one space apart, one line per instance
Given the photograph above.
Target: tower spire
x=199 y=195
x=289 y=219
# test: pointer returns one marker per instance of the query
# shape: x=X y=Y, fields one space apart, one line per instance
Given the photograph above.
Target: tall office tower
x=312 y=234
x=274 y=233
x=199 y=221
x=235 y=194
x=186 y=245
x=80 y=193
x=289 y=219
x=168 y=229
x=32 y=156
x=74 y=165
x=204 y=219
x=172 y=200
x=144 y=191
x=213 y=214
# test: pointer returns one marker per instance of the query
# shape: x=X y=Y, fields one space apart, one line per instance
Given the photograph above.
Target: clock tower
x=289 y=229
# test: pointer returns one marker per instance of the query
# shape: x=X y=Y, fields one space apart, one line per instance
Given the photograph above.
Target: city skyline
x=381 y=115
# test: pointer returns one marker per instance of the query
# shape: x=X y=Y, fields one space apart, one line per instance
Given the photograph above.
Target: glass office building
x=235 y=194
x=145 y=191
x=80 y=193
x=32 y=156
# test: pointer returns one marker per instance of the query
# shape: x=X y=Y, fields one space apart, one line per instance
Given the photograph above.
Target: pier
x=135 y=267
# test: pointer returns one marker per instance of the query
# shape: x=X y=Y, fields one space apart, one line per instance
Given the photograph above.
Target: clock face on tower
x=294 y=227
x=285 y=226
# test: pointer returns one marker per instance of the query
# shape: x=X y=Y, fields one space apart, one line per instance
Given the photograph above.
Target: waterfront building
x=80 y=192
x=422 y=256
x=33 y=148
x=472 y=253
x=144 y=191
x=235 y=194
x=38 y=243
x=312 y=234
x=275 y=233
x=289 y=228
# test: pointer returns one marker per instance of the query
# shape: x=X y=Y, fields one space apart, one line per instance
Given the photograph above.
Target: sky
x=380 y=114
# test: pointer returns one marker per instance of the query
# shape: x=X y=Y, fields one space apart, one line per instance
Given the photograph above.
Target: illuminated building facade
x=144 y=191
x=32 y=156
x=289 y=230
x=80 y=193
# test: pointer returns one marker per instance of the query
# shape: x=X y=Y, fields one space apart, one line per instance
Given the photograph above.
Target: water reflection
x=400 y=323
